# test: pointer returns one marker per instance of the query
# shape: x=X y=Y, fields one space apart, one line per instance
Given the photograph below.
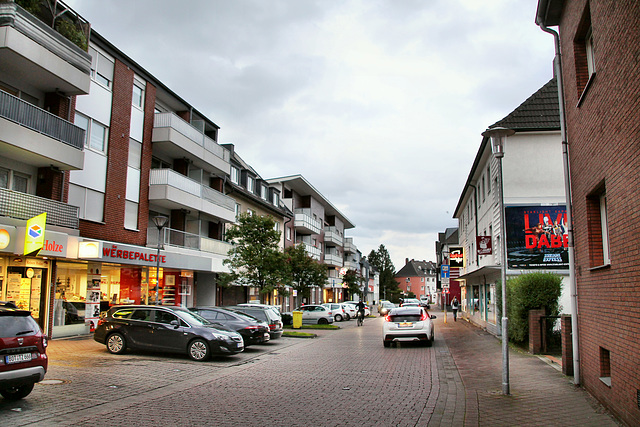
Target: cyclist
x=360 y=307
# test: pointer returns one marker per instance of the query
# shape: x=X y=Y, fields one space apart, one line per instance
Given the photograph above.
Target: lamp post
x=160 y=222
x=498 y=137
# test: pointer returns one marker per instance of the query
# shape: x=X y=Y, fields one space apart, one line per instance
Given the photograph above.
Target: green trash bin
x=297 y=319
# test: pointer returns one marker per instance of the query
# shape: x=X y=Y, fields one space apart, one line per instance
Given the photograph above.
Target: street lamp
x=498 y=137
x=160 y=222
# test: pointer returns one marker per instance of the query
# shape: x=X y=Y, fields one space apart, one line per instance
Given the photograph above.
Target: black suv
x=161 y=328
x=23 y=357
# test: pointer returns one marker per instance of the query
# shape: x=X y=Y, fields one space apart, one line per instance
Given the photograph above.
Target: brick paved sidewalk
x=540 y=394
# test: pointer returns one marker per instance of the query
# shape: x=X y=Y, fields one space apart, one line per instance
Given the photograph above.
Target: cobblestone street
x=343 y=377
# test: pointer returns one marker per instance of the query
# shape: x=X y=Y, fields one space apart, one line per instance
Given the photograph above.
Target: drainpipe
x=475 y=209
x=557 y=70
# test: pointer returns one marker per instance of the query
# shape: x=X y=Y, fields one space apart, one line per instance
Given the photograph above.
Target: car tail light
x=424 y=316
x=253 y=328
x=273 y=326
x=101 y=321
x=387 y=318
x=44 y=342
x=330 y=314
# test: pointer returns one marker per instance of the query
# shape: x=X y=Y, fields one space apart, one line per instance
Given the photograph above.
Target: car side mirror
x=433 y=316
x=175 y=324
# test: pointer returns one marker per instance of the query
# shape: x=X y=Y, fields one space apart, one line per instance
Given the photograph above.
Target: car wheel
x=198 y=350
x=338 y=318
x=116 y=343
x=16 y=392
x=323 y=321
x=428 y=343
x=347 y=317
x=386 y=343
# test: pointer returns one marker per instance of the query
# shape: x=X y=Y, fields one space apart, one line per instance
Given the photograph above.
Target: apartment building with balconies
x=106 y=150
x=44 y=65
x=253 y=195
x=320 y=227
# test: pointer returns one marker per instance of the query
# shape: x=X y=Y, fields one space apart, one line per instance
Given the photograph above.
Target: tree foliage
x=353 y=282
x=303 y=271
x=255 y=258
x=528 y=292
x=381 y=261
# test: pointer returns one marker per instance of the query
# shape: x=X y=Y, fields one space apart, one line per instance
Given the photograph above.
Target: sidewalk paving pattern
x=342 y=378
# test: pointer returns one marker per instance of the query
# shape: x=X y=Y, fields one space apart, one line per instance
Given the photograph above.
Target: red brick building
x=600 y=59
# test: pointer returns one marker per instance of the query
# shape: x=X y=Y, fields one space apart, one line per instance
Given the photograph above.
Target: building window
x=138 y=96
x=238 y=210
x=235 y=175
x=598 y=227
x=605 y=366
x=90 y=202
x=583 y=48
x=101 y=68
x=263 y=192
x=14 y=180
x=95 y=133
x=251 y=212
x=489 y=179
x=130 y=215
x=251 y=184
x=288 y=234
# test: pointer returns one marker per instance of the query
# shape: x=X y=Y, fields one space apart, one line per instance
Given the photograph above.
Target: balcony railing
x=312 y=251
x=182 y=239
x=186 y=184
x=171 y=120
x=333 y=259
x=332 y=236
x=306 y=222
x=349 y=247
x=14 y=204
x=39 y=120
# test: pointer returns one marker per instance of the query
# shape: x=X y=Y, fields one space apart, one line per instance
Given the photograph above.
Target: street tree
x=303 y=271
x=353 y=282
x=381 y=261
x=255 y=258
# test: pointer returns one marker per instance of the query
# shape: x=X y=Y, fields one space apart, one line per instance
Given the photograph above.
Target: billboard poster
x=537 y=237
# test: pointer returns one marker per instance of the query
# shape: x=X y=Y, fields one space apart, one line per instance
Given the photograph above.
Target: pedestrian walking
x=454 y=308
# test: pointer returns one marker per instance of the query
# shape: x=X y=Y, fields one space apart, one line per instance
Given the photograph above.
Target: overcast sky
x=379 y=104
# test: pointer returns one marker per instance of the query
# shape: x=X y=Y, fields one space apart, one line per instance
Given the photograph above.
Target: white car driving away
x=408 y=324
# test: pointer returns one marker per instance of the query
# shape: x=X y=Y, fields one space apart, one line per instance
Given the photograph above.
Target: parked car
x=350 y=310
x=408 y=324
x=382 y=301
x=23 y=348
x=267 y=314
x=367 y=310
x=424 y=302
x=385 y=307
x=257 y=304
x=315 y=314
x=253 y=331
x=339 y=314
x=169 y=329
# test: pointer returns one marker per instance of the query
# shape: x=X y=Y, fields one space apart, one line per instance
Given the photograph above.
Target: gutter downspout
x=475 y=209
x=557 y=69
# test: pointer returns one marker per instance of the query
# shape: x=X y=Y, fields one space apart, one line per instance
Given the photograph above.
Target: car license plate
x=405 y=325
x=17 y=358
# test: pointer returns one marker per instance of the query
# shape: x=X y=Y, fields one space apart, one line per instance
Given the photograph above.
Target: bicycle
x=360 y=317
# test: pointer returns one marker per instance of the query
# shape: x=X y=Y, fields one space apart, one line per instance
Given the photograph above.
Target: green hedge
x=528 y=292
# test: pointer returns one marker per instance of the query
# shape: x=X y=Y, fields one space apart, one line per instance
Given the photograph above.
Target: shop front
x=25 y=280
x=108 y=274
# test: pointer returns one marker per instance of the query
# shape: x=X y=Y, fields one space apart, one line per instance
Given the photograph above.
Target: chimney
x=406 y=261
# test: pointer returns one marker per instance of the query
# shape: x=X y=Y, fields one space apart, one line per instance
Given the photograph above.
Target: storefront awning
x=482 y=271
